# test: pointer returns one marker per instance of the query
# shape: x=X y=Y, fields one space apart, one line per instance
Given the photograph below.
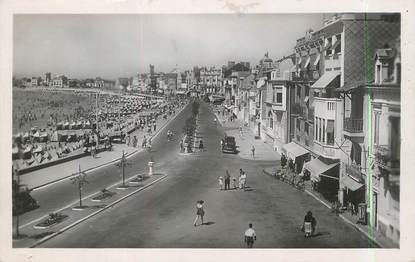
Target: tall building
x=327 y=60
x=372 y=125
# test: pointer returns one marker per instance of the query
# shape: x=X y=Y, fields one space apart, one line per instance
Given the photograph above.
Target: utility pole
x=79 y=179
x=122 y=164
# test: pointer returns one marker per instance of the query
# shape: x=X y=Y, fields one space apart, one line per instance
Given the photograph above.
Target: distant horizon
x=113 y=46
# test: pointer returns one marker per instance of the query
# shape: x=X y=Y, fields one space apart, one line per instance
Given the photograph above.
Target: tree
x=22 y=201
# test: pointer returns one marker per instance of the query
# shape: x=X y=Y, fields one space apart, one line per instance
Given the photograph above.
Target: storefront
x=297 y=154
x=324 y=177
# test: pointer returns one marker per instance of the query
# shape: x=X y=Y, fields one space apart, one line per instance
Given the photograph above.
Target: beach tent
x=59 y=126
x=15 y=153
x=44 y=137
x=27 y=152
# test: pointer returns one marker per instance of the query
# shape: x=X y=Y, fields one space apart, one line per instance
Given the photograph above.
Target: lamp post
x=122 y=164
x=79 y=179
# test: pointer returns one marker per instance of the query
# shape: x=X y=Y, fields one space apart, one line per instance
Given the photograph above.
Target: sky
x=112 y=46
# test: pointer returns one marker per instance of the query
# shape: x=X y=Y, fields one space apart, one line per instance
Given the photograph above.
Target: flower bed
x=53 y=219
x=105 y=194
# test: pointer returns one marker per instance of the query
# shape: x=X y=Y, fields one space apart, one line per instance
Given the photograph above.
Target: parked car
x=229 y=145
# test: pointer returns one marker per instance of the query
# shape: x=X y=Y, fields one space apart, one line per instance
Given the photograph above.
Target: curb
x=340 y=215
x=112 y=161
x=43 y=240
x=347 y=220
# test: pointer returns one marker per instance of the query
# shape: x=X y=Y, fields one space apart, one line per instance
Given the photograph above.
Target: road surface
x=162 y=216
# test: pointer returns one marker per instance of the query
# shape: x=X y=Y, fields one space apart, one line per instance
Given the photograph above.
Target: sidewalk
x=380 y=240
x=263 y=151
x=52 y=174
x=91 y=207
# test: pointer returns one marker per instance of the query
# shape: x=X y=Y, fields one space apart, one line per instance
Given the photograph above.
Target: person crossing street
x=250 y=236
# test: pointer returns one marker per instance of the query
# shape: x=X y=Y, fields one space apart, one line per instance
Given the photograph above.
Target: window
x=315 y=128
x=377 y=74
x=395 y=137
x=338 y=47
x=306 y=128
x=323 y=136
x=330 y=132
x=279 y=98
x=398 y=73
x=319 y=129
x=298 y=91
x=376 y=128
x=307 y=91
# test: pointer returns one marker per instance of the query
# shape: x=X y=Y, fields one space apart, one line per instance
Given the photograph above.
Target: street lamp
x=122 y=164
x=79 y=179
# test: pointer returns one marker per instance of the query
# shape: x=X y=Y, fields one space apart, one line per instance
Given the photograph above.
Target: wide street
x=163 y=214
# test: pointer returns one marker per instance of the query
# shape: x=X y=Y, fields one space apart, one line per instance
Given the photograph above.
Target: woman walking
x=199 y=212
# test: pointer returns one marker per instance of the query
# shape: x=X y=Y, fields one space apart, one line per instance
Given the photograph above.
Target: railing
x=353 y=125
x=385 y=158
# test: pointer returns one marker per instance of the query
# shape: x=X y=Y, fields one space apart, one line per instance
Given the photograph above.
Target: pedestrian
x=227 y=180
x=181 y=145
x=154 y=126
x=221 y=183
x=144 y=144
x=240 y=132
x=199 y=212
x=253 y=151
x=127 y=140
x=234 y=182
x=201 y=145
x=242 y=179
x=250 y=236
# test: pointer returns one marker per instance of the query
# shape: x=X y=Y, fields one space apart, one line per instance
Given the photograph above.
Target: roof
x=383 y=53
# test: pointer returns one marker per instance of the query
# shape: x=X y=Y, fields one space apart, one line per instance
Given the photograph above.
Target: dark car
x=229 y=145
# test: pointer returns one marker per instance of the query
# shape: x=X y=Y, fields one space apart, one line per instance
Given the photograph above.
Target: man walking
x=253 y=151
x=227 y=180
x=250 y=236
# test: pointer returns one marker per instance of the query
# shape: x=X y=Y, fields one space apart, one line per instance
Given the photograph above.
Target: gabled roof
x=383 y=53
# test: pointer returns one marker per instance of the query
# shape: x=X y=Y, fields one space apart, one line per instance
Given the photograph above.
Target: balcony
x=353 y=127
x=385 y=159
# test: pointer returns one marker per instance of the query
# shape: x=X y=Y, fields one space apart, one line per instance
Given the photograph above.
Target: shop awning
x=317 y=167
x=294 y=150
x=326 y=79
x=351 y=184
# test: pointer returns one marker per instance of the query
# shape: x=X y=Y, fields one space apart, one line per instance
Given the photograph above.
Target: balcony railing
x=353 y=125
x=385 y=158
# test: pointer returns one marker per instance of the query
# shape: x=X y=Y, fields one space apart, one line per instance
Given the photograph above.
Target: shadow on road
x=321 y=234
x=209 y=223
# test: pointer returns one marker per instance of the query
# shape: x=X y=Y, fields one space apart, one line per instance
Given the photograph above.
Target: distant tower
x=151 y=69
x=48 y=77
